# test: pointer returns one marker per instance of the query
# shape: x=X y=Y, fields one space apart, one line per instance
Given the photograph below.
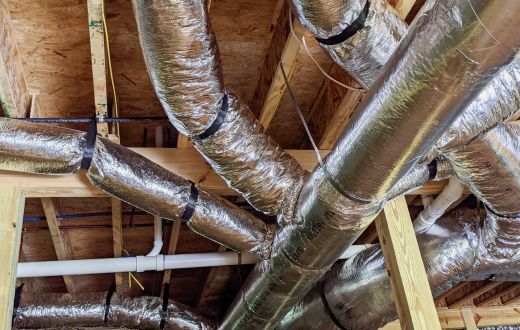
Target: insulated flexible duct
x=69 y=311
x=456 y=248
x=360 y=35
x=45 y=149
x=183 y=60
x=430 y=80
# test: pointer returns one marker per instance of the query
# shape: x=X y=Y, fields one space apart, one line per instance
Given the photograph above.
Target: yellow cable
x=136 y=281
x=109 y=61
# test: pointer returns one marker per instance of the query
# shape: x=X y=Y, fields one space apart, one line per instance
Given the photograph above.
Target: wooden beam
x=61 y=246
x=275 y=81
x=15 y=99
x=403 y=7
x=499 y=295
x=172 y=248
x=483 y=317
x=97 y=54
x=469 y=298
x=11 y=217
x=117 y=237
x=187 y=163
x=412 y=293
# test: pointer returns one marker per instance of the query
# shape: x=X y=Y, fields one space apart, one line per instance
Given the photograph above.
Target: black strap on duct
x=327 y=307
x=110 y=293
x=352 y=29
x=192 y=203
x=219 y=120
x=432 y=169
x=164 y=312
x=90 y=144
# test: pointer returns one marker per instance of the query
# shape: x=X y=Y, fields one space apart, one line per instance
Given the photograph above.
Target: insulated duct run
x=360 y=35
x=418 y=97
x=184 y=64
x=40 y=311
x=45 y=149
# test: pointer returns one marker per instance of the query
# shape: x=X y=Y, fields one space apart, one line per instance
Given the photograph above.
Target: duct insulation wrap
x=184 y=64
x=434 y=73
x=430 y=80
x=359 y=293
x=495 y=155
x=52 y=310
x=126 y=175
x=364 y=53
x=498 y=101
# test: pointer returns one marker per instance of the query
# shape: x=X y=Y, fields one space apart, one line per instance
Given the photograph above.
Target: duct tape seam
x=110 y=293
x=90 y=144
x=350 y=30
x=164 y=312
x=328 y=309
x=192 y=203
x=219 y=120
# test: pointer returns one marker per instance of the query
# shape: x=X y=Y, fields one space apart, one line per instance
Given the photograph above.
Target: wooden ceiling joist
x=15 y=99
x=61 y=245
x=187 y=163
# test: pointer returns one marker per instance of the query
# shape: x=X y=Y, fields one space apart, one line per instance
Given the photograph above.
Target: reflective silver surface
x=43 y=149
x=67 y=311
x=490 y=166
x=184 y=64
x=434 y=73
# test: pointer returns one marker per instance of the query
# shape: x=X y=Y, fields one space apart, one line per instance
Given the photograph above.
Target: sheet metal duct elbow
x=364 y=52
x=183 y=60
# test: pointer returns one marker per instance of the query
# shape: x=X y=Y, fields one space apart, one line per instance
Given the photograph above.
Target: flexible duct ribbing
x=365 y=52
x=45 y=149
x=418 y=97
x=184 y=64
x=69 y=311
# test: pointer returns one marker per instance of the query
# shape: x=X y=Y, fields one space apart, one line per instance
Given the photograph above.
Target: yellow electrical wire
x=132 y=276
x=109 y=61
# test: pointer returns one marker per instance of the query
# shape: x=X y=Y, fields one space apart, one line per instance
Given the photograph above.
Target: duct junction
x=431 y=101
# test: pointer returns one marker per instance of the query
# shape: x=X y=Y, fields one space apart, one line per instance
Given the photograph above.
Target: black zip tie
x=352 y=29
x=239 y=263
x=217 y=123
x=110 y=293
x=192 y=203
x=432 y=169
x=164 y=312
x=90 y=145
x=16 y=304
x=328 y=309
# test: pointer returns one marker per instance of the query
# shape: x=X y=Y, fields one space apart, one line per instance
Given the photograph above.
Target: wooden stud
x=403 y=7
x=14 y=95
x=468 y=318
x=61 y=246
x=12 y=205
x=483 y=317
x=172 y=248
x=403 y=260
x=499 y=295
x=97 y=53
x=277 y=88
x=117 y=237
x=469 y=298
x=187 y=163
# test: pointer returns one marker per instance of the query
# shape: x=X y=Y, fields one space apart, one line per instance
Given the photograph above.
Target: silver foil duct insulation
x=67 y=311
x=124 y=174
x=359 y=293
x=431 y=75
x=490 y=166
x=497 y=101
x=183 y=60
x=430 y=81
x=364 y=53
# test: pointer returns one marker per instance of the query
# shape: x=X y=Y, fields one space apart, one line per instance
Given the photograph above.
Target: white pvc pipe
x=143 y=263
x=157 y=240
x=434 y=210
